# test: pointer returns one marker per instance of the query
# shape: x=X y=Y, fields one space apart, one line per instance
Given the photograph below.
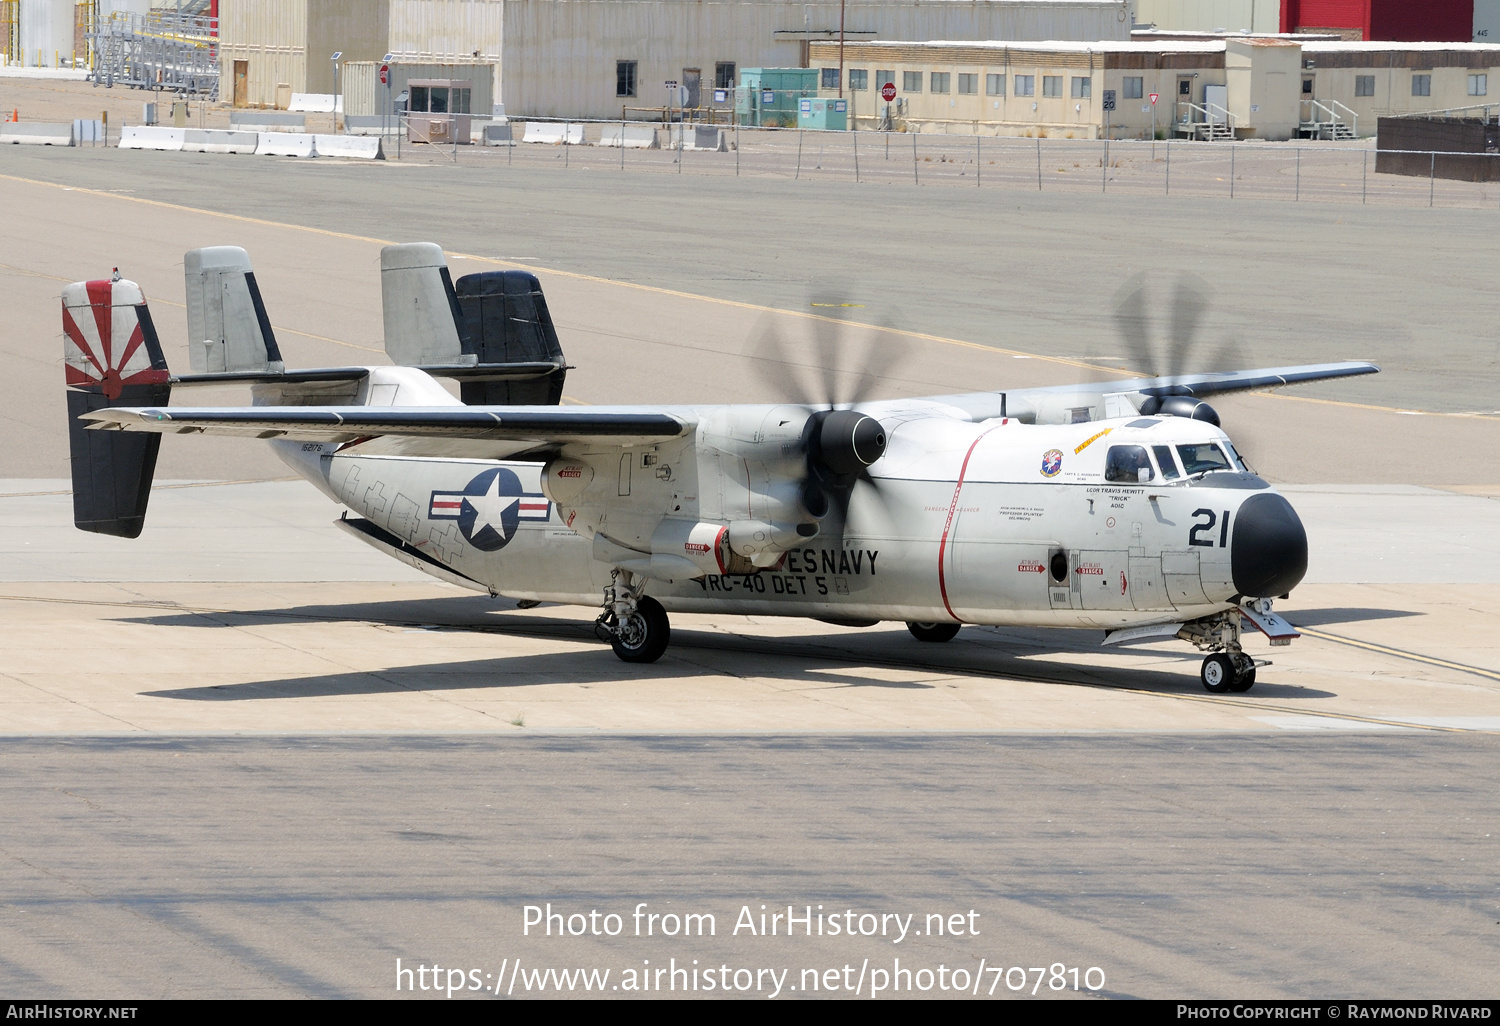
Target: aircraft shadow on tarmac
x=815 y=659
x=1344 y=614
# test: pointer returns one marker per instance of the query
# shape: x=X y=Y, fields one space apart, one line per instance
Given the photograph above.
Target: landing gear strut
x=635 y=625
x=1227 y=668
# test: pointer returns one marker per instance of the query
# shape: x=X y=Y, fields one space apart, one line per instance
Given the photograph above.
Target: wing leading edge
x=540 y=424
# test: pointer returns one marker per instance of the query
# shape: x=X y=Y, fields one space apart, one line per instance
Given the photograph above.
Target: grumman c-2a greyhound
x=1120 y=505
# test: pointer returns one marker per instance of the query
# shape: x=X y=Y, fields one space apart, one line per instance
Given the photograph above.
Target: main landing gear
x=933 y=631
x=1227 y=668
x=635 y=625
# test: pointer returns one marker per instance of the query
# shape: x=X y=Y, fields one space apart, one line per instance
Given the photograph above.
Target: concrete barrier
x=284 y=144
x=372 y=124
x=88 y=130
x=36 y=133
x=150 y=137
x=216 y=140
x=316 y=103
x=550 y=132
x=699 y=137
x=355 y=146
x=266 y=121
x=632 y=137
x=498 y=135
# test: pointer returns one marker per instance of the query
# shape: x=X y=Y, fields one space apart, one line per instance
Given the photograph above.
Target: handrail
x=1334 y=113
x=1208 y=117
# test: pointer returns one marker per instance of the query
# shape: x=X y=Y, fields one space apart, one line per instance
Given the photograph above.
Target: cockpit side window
x=1128 y=464
x=1168 y=464
x=1202 y=457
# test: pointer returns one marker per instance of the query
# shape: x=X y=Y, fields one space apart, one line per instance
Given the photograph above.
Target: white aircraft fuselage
x=996 y=522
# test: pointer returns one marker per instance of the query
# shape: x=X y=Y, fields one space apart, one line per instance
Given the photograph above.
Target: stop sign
x=385 y=74
x=888 y=92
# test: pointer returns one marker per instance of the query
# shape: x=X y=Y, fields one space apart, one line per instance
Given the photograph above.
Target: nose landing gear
x=1227 y=668
x=635 y=625
x=1228 y=671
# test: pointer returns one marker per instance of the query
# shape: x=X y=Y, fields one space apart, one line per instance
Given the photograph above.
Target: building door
x=692 y=83
x=1309 y=94
x=1184 y=97
x=241 y=83
x=1216 y=102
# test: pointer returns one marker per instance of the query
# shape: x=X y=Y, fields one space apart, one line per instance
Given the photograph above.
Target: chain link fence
x=1283 y=172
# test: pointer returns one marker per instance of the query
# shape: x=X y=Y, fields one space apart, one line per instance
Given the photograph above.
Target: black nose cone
x=1269 y=553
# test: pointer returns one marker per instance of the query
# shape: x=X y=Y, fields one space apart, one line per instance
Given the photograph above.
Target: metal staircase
x=1208 y=123
x=1330 y=121
x=163 y=49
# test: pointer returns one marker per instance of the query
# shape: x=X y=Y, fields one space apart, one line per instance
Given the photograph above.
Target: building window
x=724 y=75
x=911 y=81
x=1083 y=88
x=1478 y=85
x=1131 y=86
x=1421 y=85
x=940 y=81
x=859 y=78
x=624 y=78
x=882 y=77
x=1051 y=85
x=830 y=78
x=968 y=83
x=1025 y=85
x=1364 y=85
x=994 y=85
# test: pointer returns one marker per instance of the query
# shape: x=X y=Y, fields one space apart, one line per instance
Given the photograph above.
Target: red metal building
x=1407 y=21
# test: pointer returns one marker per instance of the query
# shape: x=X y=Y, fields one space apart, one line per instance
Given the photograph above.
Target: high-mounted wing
x=537 y=424
x=1101 y=400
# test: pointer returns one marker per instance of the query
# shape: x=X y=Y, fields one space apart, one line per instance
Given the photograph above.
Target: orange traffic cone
x=15 y=115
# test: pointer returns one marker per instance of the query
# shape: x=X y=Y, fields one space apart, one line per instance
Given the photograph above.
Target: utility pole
x=841 y=49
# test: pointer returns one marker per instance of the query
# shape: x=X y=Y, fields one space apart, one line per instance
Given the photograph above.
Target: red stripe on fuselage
x=948 y=525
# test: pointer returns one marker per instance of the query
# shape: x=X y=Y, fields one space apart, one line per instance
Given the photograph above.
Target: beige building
x=590 y=58
x=1242 y=87
x=1211 y=15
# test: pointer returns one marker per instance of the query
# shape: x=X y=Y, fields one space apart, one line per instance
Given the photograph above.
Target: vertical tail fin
x=113 y=358
x=505 y=320
x=228 y=329
x=492 y=332
x=421 y=312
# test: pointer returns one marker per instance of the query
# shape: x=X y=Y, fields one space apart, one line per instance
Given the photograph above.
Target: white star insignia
x=490 y=508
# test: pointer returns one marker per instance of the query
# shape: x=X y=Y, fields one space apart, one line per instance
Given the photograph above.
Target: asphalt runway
x=245 y=756
x=1179 y=865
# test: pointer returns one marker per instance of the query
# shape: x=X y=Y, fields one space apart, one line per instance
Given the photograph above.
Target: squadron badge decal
x=490 y=508
x=1052 y=462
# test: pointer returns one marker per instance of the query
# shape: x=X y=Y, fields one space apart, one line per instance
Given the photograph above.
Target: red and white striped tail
x=109 y=340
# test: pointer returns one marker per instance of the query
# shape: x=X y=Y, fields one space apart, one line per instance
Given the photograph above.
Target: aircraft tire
x=646 y=636
x=1244 y=680
x=1218 y=673
x=933 y=631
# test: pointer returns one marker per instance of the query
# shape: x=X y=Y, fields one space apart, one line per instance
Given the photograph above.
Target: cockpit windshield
x=1203 y=457
x=1128 y=463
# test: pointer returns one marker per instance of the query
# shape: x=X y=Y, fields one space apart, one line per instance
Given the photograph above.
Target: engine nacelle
x=1180 y=406
x=705 y=545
